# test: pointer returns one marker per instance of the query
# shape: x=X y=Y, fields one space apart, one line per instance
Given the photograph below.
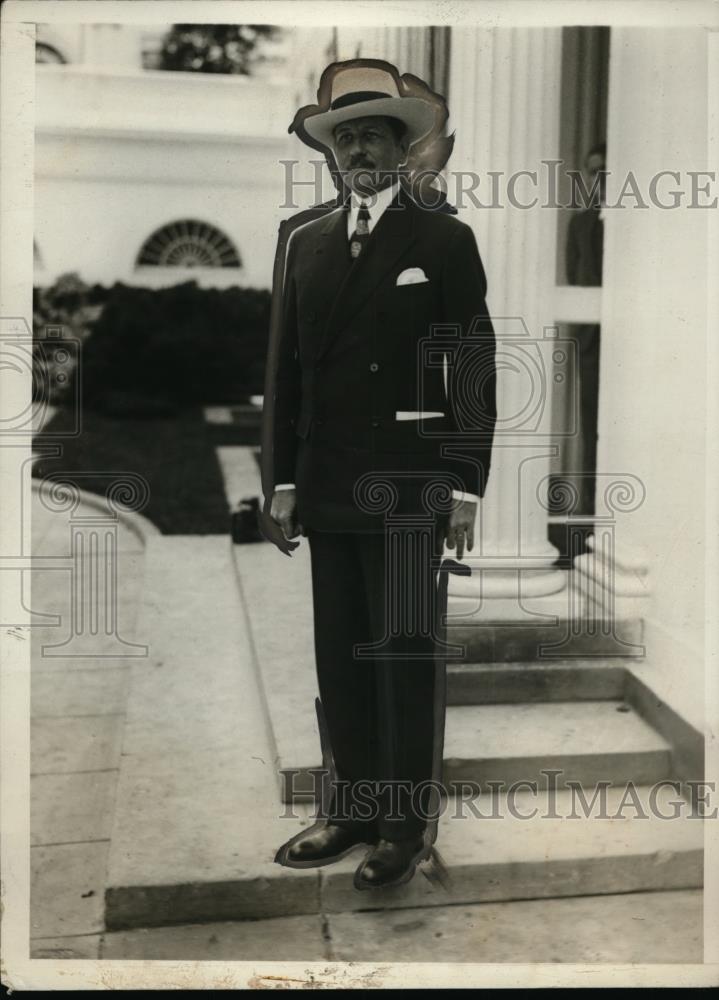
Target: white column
x=406 y=48
x=652 y=414
x=504 y=106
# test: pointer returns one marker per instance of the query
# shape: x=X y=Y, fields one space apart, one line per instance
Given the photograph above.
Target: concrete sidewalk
x=661 y=927
x=77 y=722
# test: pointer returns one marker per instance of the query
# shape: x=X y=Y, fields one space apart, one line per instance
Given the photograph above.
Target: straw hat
x=358 y=91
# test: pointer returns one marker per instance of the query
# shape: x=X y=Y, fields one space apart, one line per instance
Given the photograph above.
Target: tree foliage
x=214 y=48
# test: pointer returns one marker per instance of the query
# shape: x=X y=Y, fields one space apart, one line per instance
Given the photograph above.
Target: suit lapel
x=390 y=239
x=331 y=254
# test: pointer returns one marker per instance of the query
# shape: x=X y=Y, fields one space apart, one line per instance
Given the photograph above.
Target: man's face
x=367 y=153
x=596 y=166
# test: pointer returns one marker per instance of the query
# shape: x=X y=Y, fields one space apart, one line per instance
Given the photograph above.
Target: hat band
x=357 y=98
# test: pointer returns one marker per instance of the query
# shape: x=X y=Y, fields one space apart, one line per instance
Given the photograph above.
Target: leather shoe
x=320 y=846
x=391 y=862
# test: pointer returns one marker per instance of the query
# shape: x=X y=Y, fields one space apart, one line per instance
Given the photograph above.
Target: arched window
x=45 y=53
x=188 y=243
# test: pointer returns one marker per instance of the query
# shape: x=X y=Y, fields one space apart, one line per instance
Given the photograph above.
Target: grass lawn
x=176 y=456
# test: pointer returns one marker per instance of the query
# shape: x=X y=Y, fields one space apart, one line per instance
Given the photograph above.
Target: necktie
x=361 y=234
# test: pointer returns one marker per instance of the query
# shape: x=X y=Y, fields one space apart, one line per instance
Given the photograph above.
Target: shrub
x=159 y=350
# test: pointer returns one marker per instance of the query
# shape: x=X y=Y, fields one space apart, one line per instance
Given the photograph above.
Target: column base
x=510 y=579
x=564 y=624
x=509 y=597
x=615 y=584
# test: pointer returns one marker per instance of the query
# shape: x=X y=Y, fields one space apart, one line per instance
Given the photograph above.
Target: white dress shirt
x=376 y=204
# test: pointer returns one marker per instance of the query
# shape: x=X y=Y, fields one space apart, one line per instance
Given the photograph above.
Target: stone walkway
x=77 y=721
x=664 y=927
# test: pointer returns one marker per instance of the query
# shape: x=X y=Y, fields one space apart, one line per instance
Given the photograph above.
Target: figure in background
x=584 y=249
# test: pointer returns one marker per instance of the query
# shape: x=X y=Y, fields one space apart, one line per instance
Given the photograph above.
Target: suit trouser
x=384 y=706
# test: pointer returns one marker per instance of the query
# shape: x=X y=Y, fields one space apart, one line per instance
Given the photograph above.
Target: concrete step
x=490 y=850
x=570 y=679
x=487 y=641
x=587 y=742
x=562 y=849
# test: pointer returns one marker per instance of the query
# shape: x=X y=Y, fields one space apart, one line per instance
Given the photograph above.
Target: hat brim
x=417 y=115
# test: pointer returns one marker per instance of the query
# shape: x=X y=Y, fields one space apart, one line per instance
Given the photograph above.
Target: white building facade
x=183 y=166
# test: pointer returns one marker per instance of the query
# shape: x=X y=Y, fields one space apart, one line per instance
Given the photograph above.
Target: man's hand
x=460 y=527
x=283 y=510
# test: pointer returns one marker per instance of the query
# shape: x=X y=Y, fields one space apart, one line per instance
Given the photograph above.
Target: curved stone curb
x=141 y=526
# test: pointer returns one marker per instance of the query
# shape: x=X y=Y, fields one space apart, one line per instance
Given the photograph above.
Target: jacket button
x=319 y=422
x=311 y=317
x=374 y=367
x=375 y=423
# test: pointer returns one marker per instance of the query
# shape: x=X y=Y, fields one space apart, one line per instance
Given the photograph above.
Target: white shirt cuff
x=456 y=494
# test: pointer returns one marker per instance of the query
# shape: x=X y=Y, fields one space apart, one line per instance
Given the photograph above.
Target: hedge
x=160 y=350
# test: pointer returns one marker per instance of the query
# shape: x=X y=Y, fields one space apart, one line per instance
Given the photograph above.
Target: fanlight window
x=45 y=53
x=188 y=243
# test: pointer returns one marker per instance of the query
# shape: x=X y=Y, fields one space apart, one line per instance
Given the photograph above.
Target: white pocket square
x=412 y=276
x=414 y=415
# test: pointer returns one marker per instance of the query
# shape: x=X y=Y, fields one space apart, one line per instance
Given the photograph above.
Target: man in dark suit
x=584 y=254
x=381 y=451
